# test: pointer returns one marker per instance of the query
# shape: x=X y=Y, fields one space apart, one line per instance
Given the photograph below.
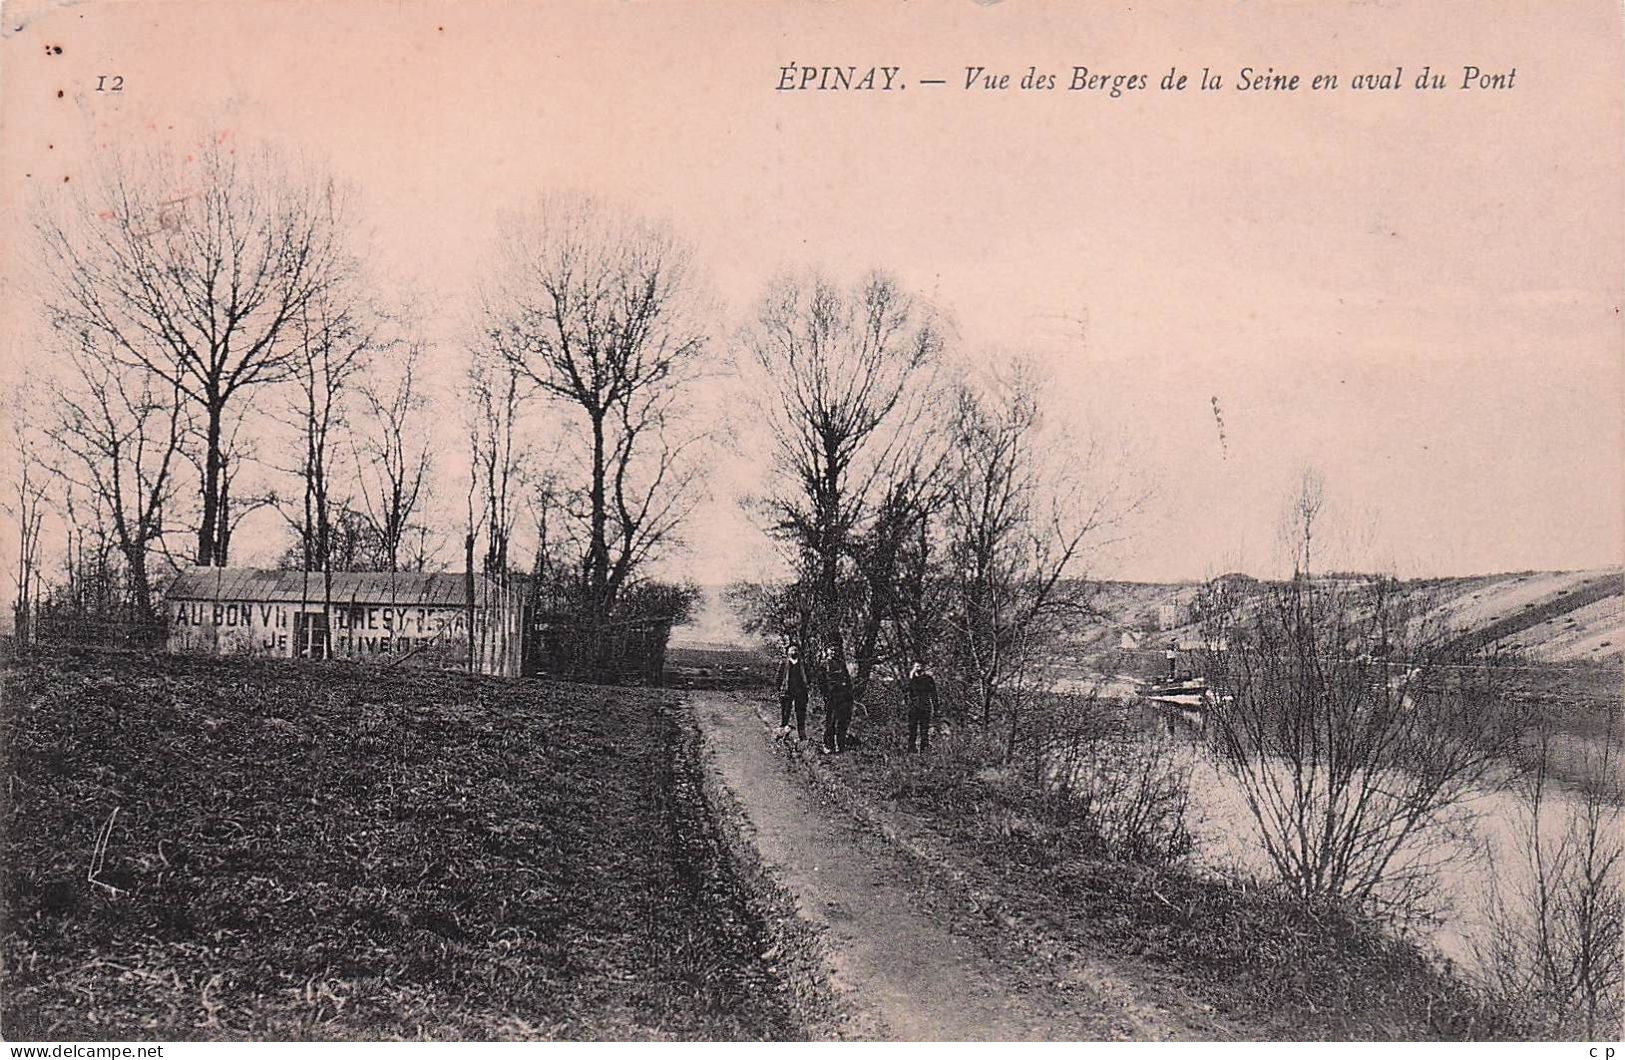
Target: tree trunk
x=468 y=591
x=135 y=558
x=394 y=528
x=829 y=544
x=207 y=531
x=222 y=517
x=866 y=650
x=308 y=545
x=598 y=573
x=599 y=603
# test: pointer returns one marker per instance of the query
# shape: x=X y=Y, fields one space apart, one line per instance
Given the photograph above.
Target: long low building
x=428 y=618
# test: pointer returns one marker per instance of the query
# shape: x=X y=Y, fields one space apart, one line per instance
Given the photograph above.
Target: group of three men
x=794 y=687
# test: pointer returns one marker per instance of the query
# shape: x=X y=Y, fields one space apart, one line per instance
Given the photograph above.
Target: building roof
x=400 y=588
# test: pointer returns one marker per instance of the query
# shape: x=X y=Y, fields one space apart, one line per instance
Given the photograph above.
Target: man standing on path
x=837 y=699
x=792 y=685
x=922 y=702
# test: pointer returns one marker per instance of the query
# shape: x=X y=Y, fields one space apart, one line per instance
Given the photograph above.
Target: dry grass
x=324 y=852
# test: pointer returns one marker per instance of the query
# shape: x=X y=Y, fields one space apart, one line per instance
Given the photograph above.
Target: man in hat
x=837 y=699
x=922 y=703
x=792 y=686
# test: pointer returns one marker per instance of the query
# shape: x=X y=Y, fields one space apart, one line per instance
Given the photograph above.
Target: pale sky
x=1416 y=292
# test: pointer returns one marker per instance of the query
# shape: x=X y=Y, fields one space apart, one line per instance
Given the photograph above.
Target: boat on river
x=1187 y=693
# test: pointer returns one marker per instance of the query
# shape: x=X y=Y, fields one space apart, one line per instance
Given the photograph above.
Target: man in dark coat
x=792 y=693
x=837 y=700
x=922 y=702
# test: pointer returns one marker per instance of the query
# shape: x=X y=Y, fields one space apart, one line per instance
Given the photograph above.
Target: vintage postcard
x=991 y=520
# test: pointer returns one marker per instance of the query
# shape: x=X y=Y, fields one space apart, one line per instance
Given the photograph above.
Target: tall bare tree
x=334 y=342
x=886 y=603
x=26 y=504
x=1024 y=513
x=602 y=312
x=391 y=448
x=335 y=337
x=497 y=391
x=851 y=373
x=196 y=271
x=122 y=430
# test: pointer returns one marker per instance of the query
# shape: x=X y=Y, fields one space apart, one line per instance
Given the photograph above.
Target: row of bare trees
x=194 y=279
x=931 y=512
x=176 y=291
x=211 y=304
x=215 y=316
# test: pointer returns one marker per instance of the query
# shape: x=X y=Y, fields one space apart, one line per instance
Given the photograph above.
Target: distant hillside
x=1553 y=616
x=1563 y=616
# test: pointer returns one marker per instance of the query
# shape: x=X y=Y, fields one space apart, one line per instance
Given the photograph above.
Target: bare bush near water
x=1025 y=510
x=1355 y=736
x=1127 y=783
x=1552 y=950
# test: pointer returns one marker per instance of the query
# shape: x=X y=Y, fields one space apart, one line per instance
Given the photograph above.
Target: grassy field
x=308 y=851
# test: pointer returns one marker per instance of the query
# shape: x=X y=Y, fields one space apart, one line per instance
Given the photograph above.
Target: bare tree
x=197 y=272
x=122 y=430
x=1354 y=731
x=334 y=342
x=852 y=374
x=421 y=549
x=496 y=390
x=391 y=448
x=889 y=604
x=90 y=595
x=27 y=504
x=1025 y=510
x=335 y=336
x=601 y=312
x=477 y=514
x=556 y=573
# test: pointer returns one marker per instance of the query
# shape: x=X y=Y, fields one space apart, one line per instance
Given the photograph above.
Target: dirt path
x=908 y=975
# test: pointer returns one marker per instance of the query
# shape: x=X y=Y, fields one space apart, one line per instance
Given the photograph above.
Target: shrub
x=1128 y=784
x=1117 y=789
x=1356 y=766
x=1552 y=949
